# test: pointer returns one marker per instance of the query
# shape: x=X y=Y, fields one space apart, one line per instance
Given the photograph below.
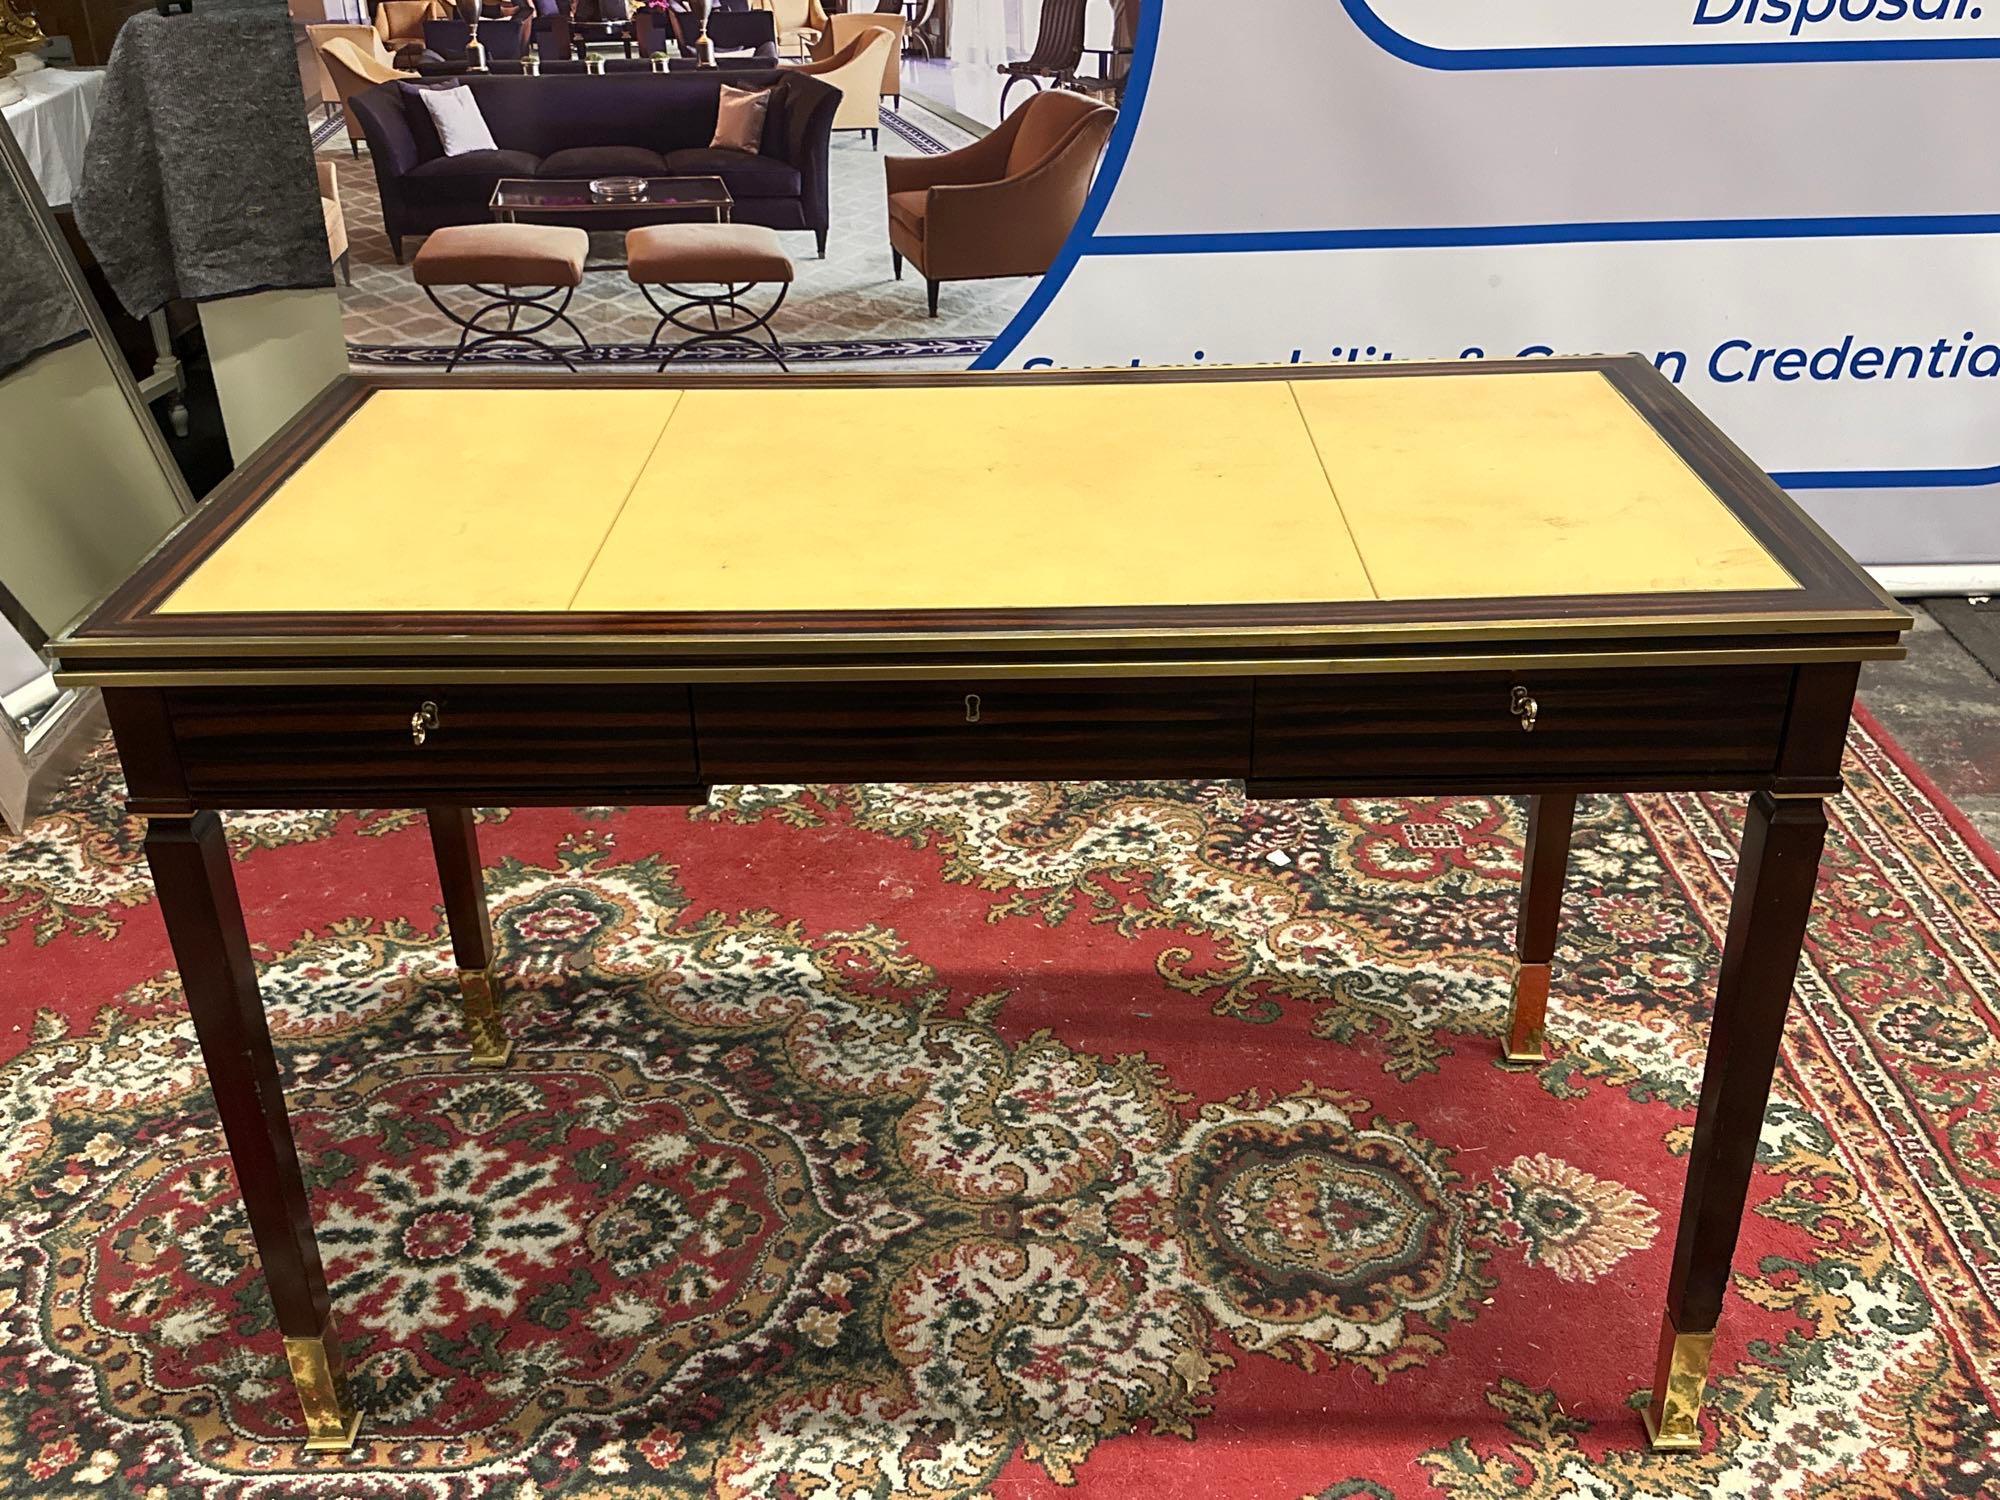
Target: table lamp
x=704 y=49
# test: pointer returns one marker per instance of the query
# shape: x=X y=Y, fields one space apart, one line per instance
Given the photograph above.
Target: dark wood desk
x=1547 y=578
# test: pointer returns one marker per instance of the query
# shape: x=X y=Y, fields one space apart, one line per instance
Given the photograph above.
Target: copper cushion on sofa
x=675 y=253
x=502 y=255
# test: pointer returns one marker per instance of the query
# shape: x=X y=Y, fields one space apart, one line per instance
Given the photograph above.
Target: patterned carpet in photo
x=1119 y=1140
x=846 y=309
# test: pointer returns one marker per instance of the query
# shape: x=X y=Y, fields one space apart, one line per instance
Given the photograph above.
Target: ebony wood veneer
x=343 y=747
x=975 y=731
x=1660 y=727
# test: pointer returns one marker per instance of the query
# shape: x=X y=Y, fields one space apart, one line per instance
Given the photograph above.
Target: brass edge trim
x=254 y=471
x=199 y=511
x=84 y=648
x=1687 y=464
x=376 y=379
x=1812 y=528
x=954 y=671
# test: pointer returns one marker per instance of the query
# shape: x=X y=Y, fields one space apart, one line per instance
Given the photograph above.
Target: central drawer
x=1044 y=730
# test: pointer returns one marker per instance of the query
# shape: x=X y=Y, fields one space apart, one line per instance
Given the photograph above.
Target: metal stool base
x=745 y=329
x=511 y=301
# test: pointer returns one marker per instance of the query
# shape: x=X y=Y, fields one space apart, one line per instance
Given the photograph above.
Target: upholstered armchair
x=653 y=32
x=844 y=26
x=1003 y=205
x=336 y=220
x=741 y=33
x=367 y=38
x=502 y=41
x=401 y=22
x=352 y=71
x=800 y=24
x=856 y=70
x=551 y=36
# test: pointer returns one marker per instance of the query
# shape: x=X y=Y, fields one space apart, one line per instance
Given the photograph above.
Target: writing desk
x=1544 y=577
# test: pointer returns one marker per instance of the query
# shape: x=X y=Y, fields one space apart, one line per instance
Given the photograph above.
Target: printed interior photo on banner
x=607 y=184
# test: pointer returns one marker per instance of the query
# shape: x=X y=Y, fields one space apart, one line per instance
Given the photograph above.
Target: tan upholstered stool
x=516 y=267
x=732 y=257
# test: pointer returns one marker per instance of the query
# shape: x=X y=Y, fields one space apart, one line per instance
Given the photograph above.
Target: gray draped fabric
x=38 y=312
x=198 y=176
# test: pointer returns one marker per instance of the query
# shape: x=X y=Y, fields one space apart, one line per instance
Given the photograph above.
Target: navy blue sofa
x=575 y=125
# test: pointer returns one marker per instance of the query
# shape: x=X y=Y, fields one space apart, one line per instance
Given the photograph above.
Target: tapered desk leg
x=1760 y=958
x=1543 y=867
x=455 y=841
x=197 y=892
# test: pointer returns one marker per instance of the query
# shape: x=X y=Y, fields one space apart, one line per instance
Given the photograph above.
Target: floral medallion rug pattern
x=955 y=1141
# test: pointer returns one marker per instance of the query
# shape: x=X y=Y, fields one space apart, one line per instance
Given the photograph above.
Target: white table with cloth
x=52 y=123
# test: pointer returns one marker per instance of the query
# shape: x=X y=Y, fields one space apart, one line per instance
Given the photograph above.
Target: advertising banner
x=1789 y=206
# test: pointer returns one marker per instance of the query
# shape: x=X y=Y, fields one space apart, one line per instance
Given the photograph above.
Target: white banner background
x=1290 y=187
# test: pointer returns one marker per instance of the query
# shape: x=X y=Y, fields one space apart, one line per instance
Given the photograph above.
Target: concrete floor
x=1943 y=705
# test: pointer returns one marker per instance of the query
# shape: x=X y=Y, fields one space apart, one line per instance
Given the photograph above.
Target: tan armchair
x=1003 y=205
x=367 y=38
x=336 y=220
x=856 y=70
x=799 y=23
x=401 y=22
x=351 y=70
x=844 y=26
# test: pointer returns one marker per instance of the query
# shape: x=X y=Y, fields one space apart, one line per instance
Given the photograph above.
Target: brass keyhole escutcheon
x=1524 y=708
x=423 y=721
x=972 y=708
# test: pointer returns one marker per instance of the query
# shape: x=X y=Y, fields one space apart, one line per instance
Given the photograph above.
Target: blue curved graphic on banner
x=1661 y=54
x=1597 y=232
x=1115 y=151
x=1888 y=479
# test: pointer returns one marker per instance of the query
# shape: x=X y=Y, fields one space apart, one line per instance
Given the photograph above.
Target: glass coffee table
x=569 y=200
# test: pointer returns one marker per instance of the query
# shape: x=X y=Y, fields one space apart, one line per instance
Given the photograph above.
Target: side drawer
x=1677 y=726
x=1048 y=729
x=338 y=746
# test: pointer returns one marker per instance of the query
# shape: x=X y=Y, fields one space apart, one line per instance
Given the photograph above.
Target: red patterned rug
x=995 y=1140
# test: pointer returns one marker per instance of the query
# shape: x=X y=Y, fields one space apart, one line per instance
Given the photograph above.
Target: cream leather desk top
x=1020 y=496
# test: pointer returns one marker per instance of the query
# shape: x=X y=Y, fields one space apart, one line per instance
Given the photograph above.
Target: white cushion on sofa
x=460 y=125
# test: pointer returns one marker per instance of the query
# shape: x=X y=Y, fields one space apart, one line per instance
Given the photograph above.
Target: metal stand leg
x=743 y=328
x=197 y=891
x=1542 y=869
x=455 y=842
x=1782 y=839
x=510 y=303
